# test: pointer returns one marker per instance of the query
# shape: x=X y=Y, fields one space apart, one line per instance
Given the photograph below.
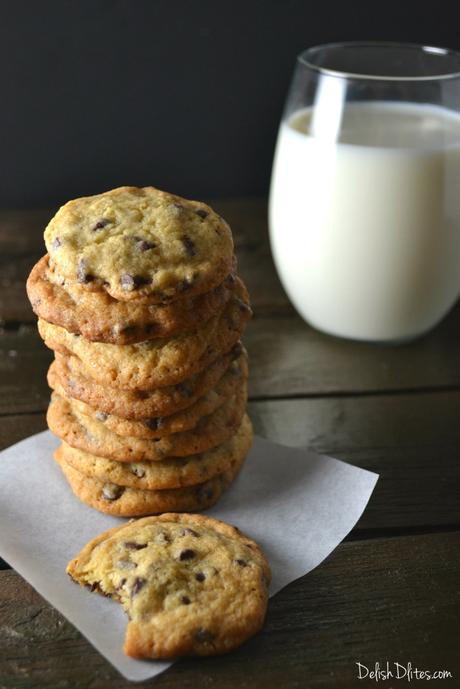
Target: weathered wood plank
x=16 y=428
x=254 y=260
x=411 y=441
x=289 y=357
x=348 y=424
x=21 y=231
x=248 y=219
x=21 y=244
x=24 y=360
x=286 y=357
x=370 y=601
x=14 y=305
x=387 y=599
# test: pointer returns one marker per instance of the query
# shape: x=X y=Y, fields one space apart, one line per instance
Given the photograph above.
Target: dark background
x=183 y=95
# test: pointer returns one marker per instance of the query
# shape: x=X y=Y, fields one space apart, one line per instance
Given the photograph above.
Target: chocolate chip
x=101 y=416
x=187 y=554
x=83 y=276
x=124 y=329
x=189 y=532
x=56 y=243
x=236 y=351
x=242 y=563
x=184 y=285
x=200 y=576
x=190 y=247
x=111 y=491
x=93 y=587
x=183 y=389
x=126 y=564
x=121 y=584
x=132 y=545
x=243 y=307
x=154 y=424
x=185 y=600
x=231 y=323
x=202 y=213
x=204 y=635
x=137 y=470
x=96 y=586
x=204 y=492
x=144 y=245
x=138 y=585
x=100 y=224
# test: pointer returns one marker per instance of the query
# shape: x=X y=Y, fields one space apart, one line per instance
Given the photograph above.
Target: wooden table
x=389 y=592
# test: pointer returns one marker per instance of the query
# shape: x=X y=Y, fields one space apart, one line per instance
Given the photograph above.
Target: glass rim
x=303 y=58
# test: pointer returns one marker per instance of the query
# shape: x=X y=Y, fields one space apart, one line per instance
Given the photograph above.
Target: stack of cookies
x=139 y=299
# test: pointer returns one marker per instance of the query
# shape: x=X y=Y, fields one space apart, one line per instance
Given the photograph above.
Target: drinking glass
x=364 y=208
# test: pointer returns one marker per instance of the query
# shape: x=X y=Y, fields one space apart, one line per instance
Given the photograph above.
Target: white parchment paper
x=296 y=504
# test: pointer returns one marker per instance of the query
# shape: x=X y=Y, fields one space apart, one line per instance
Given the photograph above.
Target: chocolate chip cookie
x=122 y=501
x=191 y=585
x=139 y=299
x=134 y=243
x=138 y=404
x=101 y=318
x=155 y=363
x=91 y=435
x=169 y=473
x=159 y=426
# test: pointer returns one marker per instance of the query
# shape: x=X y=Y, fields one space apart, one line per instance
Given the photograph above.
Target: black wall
x=183 y=95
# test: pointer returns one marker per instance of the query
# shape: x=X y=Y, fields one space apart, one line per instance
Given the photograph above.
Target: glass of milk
x=365 y=191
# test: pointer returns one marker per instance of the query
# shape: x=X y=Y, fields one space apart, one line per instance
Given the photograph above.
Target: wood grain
x=394 y=599
x=417 y=460
x=17 y=427
x=21 y=245
x=393 y=410
x=287 y=359
x=395 y=436
x=24 y=361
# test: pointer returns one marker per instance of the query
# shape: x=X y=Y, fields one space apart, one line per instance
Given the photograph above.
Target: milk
x=365 y=232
